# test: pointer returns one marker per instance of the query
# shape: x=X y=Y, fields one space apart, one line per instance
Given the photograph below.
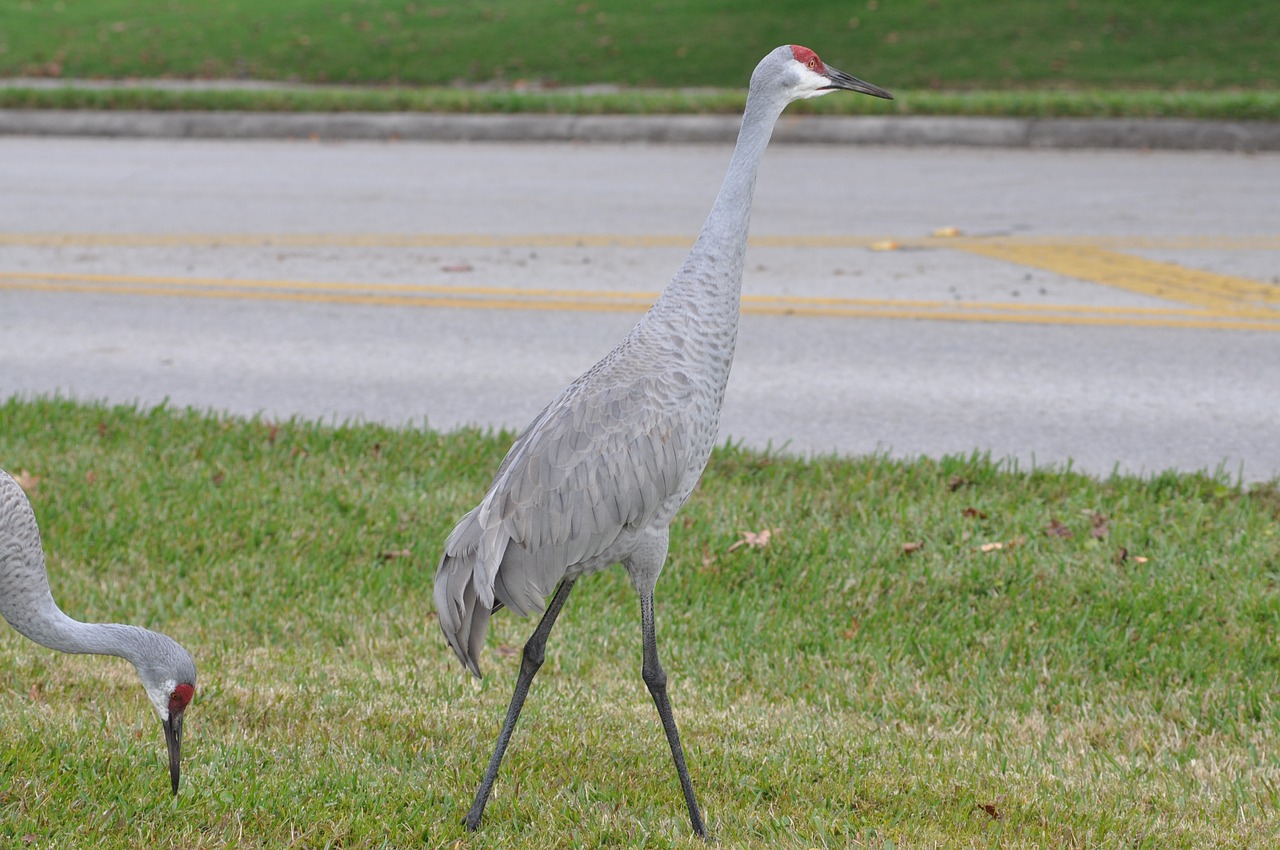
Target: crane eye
x=813 y=63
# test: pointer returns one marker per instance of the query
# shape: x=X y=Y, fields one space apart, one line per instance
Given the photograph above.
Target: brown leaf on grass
x=912 y=546
x=1099 y=526
x=996 y=545
x=1122 y=555
x=754 y=539
x=990 y=808
x=392 y=554
x=218 y=478
x=855 y=625
x=1056 y=528
x=973 y=513
x=26 y=481
x=955 y=482
x=102 y=429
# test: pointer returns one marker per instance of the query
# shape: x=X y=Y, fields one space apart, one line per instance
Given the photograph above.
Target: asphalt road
x=1111 y=309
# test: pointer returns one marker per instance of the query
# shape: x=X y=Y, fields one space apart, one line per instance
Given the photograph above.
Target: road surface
x=1111 y=309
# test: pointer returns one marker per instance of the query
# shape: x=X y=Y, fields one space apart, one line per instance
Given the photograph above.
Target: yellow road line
x=477 y=297
x=479 y=294
x=597 y=240
x=1221 y=294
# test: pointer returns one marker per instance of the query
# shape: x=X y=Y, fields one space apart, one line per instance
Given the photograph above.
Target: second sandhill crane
x=599 y=474
x=167 y=672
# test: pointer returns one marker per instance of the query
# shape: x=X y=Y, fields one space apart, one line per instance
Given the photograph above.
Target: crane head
x=178 y=701
x=169 y=677
x=805 y=75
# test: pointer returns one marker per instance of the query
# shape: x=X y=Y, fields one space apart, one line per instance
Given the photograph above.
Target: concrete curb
x=1156 y=134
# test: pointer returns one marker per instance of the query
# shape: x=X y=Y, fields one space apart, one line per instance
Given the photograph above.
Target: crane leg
x=656 y=680
x=530 y=660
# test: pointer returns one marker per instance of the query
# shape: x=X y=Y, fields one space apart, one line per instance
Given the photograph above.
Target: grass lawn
x=881 y=674
x=1105 y=51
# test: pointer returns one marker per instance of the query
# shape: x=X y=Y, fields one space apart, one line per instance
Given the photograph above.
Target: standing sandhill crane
x=167 y=672
x=599 y=474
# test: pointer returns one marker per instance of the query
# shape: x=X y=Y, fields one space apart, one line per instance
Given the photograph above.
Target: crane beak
x=841 y=80
x=173 y=740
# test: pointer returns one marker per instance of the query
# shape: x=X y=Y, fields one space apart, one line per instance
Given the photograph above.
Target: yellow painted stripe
x=601 y=240
x=1221 y=294
x=641 y=300
x=413 y=295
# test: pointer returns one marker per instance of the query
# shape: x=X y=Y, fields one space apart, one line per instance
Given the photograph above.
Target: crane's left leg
x=656 y=680
x=530 y=660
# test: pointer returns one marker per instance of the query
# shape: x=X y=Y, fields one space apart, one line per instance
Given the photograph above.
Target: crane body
x=600 y=473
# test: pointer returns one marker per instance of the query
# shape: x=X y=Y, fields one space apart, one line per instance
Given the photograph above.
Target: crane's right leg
x=530 y=660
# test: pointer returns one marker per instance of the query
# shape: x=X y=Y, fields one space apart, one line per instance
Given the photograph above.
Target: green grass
x=1095 y=55
x=1234 y=106
x=1118 y=687
x=905 y=44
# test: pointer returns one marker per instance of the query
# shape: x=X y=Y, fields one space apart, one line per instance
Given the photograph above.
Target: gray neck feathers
x=25 y=600
x=717 y=255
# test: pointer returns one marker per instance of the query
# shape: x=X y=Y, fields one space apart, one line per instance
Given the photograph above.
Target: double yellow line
x=1197 y=299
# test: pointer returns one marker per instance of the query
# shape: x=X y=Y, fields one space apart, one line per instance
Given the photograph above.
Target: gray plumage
x=599 y=474
x=167 y=672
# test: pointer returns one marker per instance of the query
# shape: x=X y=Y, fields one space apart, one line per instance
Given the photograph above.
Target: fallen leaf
x=27 y=481
x=973 y=513
x=1121 y=556
x=914 y=546
x=885 y=245
x=991 y=547
x=1099 y=526
x=991 y=809
x=753 y=540
x=218 y=478
x=1056 y=528
x=855 y=625
x=947 y=231
x=1138 y=559
x=392 y=554
x=955 y=482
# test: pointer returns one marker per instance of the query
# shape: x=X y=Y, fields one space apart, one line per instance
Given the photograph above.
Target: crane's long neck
x=25 y=600
x=716 y=259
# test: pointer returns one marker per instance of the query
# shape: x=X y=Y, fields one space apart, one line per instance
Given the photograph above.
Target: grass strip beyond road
x=1220 y=105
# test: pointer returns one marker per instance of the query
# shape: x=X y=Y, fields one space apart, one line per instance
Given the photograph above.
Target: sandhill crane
x=599 y=474
x=167 y=672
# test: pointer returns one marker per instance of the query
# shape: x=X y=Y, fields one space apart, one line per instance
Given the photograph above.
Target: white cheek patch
x=160 y=697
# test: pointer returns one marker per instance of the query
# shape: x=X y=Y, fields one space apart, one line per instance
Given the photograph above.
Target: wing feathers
x=591 y=467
